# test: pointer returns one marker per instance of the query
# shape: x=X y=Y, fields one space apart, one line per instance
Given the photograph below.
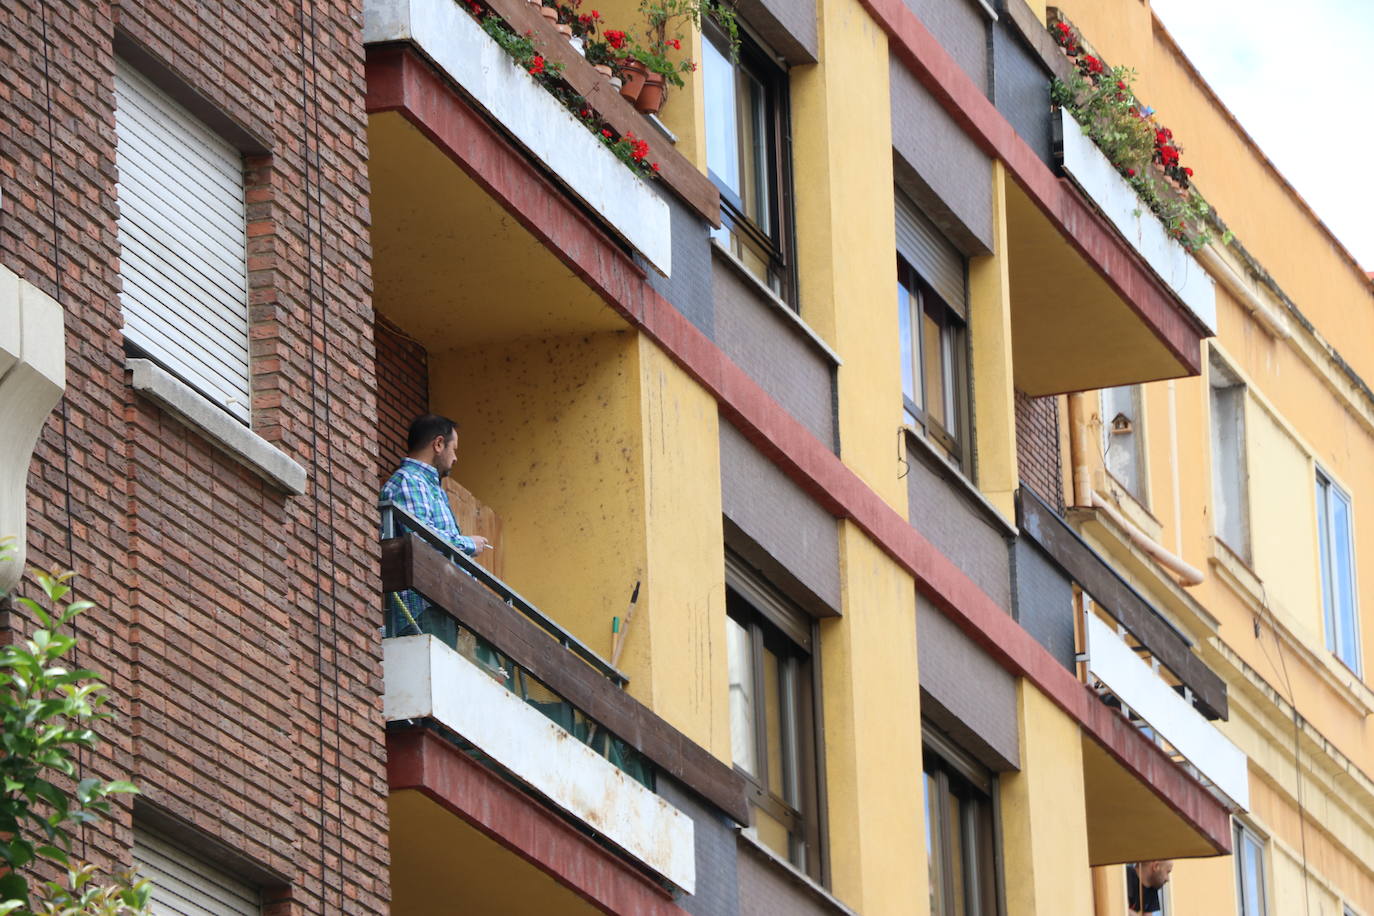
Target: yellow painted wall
x=1044 y=821
x=991 y=363
x=846 y=236
x=601 y=458
x=873 y=735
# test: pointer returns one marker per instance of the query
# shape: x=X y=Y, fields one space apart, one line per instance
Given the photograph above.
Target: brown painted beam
x=407 y=562
x=1083 y=564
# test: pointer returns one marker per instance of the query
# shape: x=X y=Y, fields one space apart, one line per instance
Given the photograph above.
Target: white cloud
x=1295 y=77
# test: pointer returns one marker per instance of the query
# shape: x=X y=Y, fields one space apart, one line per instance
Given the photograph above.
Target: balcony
x=1171 y=794
x=499 y=692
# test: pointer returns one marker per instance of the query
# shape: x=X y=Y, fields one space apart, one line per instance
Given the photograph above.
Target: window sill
x=223 y=431
x=823 y=896
x=1133 y=507
x=916 y=441
x=724 y=254
x=1248 y=586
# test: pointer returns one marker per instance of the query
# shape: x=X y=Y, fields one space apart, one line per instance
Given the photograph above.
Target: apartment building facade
x=800 y=602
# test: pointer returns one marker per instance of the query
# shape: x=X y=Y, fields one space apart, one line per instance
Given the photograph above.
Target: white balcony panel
x=1115 y=664
x=427 y=679
x=1098 y=178
x=453 y=40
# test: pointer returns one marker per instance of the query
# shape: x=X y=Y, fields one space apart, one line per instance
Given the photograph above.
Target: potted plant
x=549 y=10
x=566 y=17
x=584 y=30
x=599 y=55
x=666 y=24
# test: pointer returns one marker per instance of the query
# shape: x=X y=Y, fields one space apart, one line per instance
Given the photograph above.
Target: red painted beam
x=417 y=759
x=401 y=82
x=1080 y=224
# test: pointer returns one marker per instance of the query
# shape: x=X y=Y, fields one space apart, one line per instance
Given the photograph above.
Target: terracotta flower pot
x=650 y=98
x=564 y=29
x=632 y=73
x=604 y=70
x=549 y=13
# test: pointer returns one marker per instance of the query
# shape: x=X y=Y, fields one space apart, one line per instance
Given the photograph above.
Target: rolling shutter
x=182 y=231
x=925 y=248
x=184 y=885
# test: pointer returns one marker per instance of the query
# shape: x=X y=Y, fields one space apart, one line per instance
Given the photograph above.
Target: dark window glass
x=934 y=365
x=746 y=154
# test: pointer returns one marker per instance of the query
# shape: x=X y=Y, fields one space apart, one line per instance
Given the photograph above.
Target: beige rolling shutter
x=184 y=885
x=925 y=248
x=182 y=232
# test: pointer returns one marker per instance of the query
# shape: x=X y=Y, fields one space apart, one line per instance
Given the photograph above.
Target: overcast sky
x=1296 y=76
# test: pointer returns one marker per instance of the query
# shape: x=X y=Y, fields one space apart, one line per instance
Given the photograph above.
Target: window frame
x=778 y=247
x=922 y=300
x=1243 y=833
x=1234 y=387
x=790 y=635
x=955 y=773
x=1325 y=488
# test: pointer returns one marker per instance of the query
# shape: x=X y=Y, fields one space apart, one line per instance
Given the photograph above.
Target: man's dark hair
x=424 y=430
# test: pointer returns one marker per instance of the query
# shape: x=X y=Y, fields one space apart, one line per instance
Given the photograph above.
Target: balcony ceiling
x=451 y=265
x=1070 y=330
x=1127 y=821
x=442 y=864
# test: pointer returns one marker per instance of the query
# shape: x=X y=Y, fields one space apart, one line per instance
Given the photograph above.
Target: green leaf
x=14 y=887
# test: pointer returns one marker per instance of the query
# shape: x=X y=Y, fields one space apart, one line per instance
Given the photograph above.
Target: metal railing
x=396 y=521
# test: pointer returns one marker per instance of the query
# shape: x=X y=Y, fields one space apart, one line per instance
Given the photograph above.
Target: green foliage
x=46 y=713
x=82 y=894
x=1143 y=151
x=666 y=24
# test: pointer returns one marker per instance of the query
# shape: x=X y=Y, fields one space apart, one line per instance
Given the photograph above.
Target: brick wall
x=231 y=619
x=402 y=391
x=1038 y=459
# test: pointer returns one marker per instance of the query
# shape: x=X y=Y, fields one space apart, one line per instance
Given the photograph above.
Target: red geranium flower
x=1187 y=171
x=537 y=65
x=606 y=132
x=654 y=166
x=615 y=38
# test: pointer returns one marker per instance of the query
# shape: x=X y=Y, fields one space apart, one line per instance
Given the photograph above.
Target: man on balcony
x=432 y=448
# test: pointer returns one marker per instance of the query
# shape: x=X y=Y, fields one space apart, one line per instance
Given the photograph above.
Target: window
x=183 y=243
x=185 y=884
x=772 y=719
x=1249 y=855
x=960 y=839
x=934 y=365
x=1149 y=896
x=747 y=156
x=1123 y=438
x=1230 y=501
x=1337 y=550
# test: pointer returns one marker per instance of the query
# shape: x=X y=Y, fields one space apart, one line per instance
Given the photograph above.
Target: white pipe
x=1188 y=576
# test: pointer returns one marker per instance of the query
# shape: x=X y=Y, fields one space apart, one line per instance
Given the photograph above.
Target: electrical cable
x=1282 y=667
x=66 y=415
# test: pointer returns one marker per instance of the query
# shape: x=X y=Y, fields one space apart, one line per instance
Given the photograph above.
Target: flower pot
x=578 y=44
x=564 y=29
x=604 y=70
x=650 y=98
x=549 y=13
x=537 y=3
x=632 y=74
x=616 y=83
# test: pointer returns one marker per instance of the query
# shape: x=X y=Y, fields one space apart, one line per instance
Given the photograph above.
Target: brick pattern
x=1038 y=460
x=245 y=676
x=402 y=391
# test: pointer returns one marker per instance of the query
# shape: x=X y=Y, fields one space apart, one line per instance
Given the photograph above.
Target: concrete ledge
x=33 y=375
x=224 y=432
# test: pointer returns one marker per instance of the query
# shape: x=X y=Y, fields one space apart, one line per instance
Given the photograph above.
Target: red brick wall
x=402 y=391
x=1037 y=448
x=233 y=621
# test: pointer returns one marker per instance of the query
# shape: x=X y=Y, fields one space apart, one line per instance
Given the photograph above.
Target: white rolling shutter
x=925 y=248
x=183 y=235
x=184 y=885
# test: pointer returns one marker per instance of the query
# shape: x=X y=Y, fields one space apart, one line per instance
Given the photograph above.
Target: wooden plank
x=684 y=179
x=1082 y=564
x=409 y=562
x=474 y=517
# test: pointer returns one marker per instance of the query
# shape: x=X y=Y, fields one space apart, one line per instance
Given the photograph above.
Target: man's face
x=445 y=453
x=1156 y=874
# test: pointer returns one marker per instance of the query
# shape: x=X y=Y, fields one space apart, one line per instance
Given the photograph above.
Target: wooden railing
x=408 y=562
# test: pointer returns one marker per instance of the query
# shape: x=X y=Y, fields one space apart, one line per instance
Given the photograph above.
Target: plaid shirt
x=414 y=488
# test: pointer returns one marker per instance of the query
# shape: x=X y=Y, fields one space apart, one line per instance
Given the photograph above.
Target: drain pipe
x=1085 y=495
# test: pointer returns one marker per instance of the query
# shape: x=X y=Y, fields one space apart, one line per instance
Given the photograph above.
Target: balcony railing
x=490 y=668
